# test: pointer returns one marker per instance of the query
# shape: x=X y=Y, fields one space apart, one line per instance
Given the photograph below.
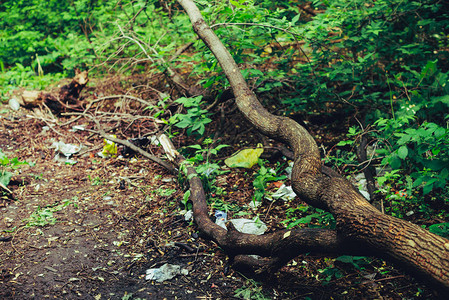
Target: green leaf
x=345 y=259
x=5 y=177
x=344 y=143
x=395 y=162
x=198 y=147
x=427 y=188
x=429 y=69
x=403 y=152
x=442 y=229
x=186 y=196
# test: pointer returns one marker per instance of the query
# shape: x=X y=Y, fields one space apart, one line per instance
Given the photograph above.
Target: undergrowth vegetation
x=384 y=65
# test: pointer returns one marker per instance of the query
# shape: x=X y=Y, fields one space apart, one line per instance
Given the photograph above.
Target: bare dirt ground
x=90 y=231
x=110 y=220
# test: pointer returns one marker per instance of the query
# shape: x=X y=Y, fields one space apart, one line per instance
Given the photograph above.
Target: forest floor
x=91 y=229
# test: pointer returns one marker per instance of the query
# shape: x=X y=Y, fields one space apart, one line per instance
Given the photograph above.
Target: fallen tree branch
x=420 y=252
x=280 y=246
x=130 y=145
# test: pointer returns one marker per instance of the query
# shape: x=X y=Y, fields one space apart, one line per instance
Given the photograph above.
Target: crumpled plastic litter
x=188 y=214
x=14 y=104
x=78 y=127
x=249 y=226
x=245 y=158
x=361 y=184
x=109 y=148
x=241 y=225
x=165 y=272
x=221 y=218
x=285 y=193
x=289 y=169
x=253 y=204
x=67 y=150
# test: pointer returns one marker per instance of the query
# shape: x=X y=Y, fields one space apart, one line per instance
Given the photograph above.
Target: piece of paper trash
x=164 y=273
x=245 y=158
x=249 y=226
x=285 y=193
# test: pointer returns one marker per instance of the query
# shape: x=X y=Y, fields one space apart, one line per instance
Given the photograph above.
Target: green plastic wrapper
x=246 y=158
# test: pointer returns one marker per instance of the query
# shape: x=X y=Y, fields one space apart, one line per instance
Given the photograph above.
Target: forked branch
x=358 y=223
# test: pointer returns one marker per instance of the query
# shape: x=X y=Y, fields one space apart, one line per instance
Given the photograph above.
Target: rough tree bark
x=361 y=228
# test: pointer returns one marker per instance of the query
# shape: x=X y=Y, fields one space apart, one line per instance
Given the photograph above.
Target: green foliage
x=58 y=36
x=206 y=168
x=251 y=290
x=95 y=181
x=185 y=201
x=247 y=30
x=264 y=176
x=392 y=67
x=44 y=216
x=310 y=216
x=195 y=119
x=355 y=45
x=440 y=229
x=164 y=192
x=332 y=271
x=52 y=30
x=7 y=163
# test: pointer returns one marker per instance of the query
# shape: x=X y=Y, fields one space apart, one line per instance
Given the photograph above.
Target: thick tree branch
x=420 y=251
x=282 y=245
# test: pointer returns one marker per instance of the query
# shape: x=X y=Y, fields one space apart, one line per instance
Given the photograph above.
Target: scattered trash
x=361 y=185
x=166 y=272
x=109 y=148
x=208 y=171
x=187 y=214
x=168 y=179
x=67 y=150
x=249 y=226
x=154 y=140
x=221 y=218
x=14 y=104
x=289 y=169
x=285 y=193
x=5 y=238
x=370 y=276
x=122 y=185
x=245 y=158
x=78 y=127
x=253 y=204
x=365 y=194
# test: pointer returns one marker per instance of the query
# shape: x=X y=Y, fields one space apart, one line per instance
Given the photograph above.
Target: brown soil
x=109 y=220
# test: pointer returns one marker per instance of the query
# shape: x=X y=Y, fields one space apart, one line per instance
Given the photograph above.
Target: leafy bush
x=195 y=119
